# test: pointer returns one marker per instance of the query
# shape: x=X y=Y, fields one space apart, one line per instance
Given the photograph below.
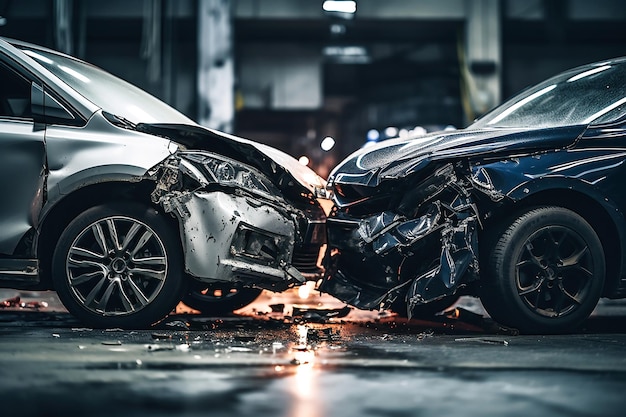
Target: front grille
x=305 y=259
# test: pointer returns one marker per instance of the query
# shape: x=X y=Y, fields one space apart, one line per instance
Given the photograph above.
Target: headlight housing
x=227 y=172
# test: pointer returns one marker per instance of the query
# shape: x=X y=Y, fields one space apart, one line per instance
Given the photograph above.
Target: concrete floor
x=264 y=363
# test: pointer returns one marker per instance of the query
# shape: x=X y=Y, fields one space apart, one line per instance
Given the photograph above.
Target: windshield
x=106 y=91
x=593 y=93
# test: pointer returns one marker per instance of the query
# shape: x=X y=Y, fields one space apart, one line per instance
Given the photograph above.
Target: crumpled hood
x=271 y=161
x=397 y=158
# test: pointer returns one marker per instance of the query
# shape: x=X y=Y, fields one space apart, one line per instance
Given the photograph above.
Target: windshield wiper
x=119 y=121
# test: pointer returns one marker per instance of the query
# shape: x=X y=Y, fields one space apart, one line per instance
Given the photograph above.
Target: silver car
x=125 y=206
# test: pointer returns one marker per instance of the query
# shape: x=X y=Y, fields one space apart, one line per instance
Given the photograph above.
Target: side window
x=14 y=94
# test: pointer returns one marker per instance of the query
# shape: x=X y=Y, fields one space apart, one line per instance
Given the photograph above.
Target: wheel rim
x=554 y=271
x=116 y=266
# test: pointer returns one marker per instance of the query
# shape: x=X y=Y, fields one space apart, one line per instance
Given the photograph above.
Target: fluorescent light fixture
x=340 y=6
x=345 y=51
x=347 y=54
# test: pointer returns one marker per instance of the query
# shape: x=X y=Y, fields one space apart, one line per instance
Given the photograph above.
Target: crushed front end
x=238 y=224
x=414 y=237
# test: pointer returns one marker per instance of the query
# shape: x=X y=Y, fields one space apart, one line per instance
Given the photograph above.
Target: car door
x=22 y=162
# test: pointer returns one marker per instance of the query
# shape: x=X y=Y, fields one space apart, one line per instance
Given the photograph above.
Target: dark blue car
x=524 y=208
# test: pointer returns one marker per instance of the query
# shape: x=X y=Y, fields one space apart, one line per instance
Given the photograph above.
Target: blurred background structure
x=318 y=78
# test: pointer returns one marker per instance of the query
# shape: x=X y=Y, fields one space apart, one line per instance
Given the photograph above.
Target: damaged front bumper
x=424 y=249
x=246 y=233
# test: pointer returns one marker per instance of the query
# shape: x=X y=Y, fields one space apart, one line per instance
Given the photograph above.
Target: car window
x=590 y=94
x=14 y=94
x=108 y=92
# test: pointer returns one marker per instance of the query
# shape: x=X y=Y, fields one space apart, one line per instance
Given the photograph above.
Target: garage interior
x=289 y=73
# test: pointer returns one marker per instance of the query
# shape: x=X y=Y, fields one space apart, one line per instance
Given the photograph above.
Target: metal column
x=483 y=56
x=216 y=77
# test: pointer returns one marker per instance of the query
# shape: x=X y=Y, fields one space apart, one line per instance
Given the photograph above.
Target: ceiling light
x=340 y=6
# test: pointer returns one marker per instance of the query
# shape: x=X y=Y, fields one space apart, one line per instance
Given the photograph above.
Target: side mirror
x=45 y=109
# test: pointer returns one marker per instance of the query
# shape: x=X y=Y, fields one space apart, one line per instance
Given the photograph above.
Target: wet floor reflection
x=304 y=391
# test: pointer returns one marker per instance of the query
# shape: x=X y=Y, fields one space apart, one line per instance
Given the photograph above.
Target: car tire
x=119 y=265
x=219 y=300
x=424 y=311
x=544 y=273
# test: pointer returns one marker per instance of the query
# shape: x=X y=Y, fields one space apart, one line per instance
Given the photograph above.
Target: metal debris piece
x=161 y=336
x=112 y=343
x=277 y=308
x=488 y=341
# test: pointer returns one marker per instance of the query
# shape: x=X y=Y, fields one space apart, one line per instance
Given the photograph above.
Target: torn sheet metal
x=427 y=256
x=229 y=233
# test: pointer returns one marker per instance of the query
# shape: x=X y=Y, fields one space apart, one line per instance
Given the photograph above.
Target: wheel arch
x=602 y=218
x=66 y=209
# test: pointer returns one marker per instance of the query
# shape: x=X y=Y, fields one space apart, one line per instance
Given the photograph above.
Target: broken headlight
x=229 y=173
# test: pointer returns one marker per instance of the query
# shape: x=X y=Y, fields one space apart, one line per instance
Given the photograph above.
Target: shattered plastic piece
x=56 y=335
x=424 y=335
x=319 y=314
x=184 y=347
x=114 y=329
x=277 y=308
x=81 y=329
x=112 y=343
x=178 y=324
x=326 y=334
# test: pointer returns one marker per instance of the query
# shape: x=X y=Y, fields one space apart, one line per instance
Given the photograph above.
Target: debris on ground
x=178 y=324
x=16 y=301
x=10 y=302
x=277 y=308
x=323 y=335
x=155 y=347
x=486 y=340
x=318 y=315
x=475 y=319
